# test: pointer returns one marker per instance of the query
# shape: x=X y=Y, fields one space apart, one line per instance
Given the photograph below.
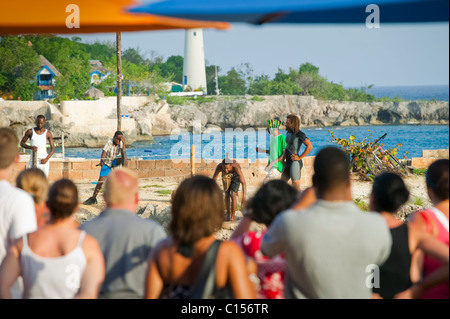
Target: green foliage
x=362 y=204
x=258 y=99
x=419 y=201
x=232 y=83
x=172 y=69
x=164 y=192
x=176 y=100
x=211 y=78
x=359 y=151
x=420 y=171
x=19 y=65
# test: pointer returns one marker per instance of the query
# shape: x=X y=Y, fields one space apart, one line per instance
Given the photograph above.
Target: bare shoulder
x=28 y=132
x=90 y=245
x=230 y=247
x=164 y=246
x=236 y=165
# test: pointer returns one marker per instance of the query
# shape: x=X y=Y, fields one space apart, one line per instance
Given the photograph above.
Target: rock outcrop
x=90 y=123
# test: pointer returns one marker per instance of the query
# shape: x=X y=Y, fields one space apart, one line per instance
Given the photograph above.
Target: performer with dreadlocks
x=274 y=167
x=295 y=138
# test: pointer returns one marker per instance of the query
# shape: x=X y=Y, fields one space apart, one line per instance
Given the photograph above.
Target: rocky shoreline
x=89 y=123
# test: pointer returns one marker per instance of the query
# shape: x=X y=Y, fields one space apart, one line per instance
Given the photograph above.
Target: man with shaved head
x=126 y=240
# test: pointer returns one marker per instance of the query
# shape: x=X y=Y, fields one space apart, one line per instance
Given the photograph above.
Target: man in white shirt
x=17 y=213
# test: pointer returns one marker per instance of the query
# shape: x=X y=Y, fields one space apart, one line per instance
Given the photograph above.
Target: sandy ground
x=155 y=197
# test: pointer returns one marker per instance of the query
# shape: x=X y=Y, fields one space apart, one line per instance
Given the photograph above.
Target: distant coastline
x=411 y=92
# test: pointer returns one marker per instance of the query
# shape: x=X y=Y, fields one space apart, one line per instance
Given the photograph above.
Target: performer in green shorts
x=274 y=167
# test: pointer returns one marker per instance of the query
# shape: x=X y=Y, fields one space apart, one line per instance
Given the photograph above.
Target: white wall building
x=194 y=71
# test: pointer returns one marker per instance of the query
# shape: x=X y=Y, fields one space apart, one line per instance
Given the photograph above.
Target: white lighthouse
x=194 y=72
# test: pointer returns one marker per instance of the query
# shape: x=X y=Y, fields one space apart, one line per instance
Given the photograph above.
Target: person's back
x=191 y=263
x=17 y=212
x=435 y=221
x=430 y=264
x=52 y=263
x=126 y=239
x=58 y=260
x=17 y=215
x=330 y=247
x=35 y=183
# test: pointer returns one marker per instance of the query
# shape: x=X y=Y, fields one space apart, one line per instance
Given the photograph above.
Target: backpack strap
x=206 y=280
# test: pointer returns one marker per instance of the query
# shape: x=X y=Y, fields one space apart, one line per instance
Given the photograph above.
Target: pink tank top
x=430 y=264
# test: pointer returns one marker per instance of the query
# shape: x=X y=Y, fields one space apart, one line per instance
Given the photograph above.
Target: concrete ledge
x=84 y=170
x=428 y=157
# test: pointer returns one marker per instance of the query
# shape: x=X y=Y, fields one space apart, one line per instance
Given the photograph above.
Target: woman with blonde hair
x=192 y=264
x=35 y=183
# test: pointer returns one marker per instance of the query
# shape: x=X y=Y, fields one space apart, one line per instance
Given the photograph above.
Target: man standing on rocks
x=293 y=161
x=125 y=239
x=232 y=177
x=109 y=159
x=38 y=144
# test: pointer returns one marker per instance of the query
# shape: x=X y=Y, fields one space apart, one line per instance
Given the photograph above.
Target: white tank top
x=41 y=142
x=52 y=277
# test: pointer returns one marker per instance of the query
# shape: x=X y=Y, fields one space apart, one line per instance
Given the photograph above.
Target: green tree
x=259 y=85
x=232 y=83
x=211 y=78
x=19 y=65
x=172 y=69
x=308 y=68
x=133 y=56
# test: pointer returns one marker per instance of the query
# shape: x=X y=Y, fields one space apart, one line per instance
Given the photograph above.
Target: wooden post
x=62 y=144
x=192 y=160
x=119 y=80
x=34 y=153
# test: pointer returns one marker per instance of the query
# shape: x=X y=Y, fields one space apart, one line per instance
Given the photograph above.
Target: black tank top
x=395 y=272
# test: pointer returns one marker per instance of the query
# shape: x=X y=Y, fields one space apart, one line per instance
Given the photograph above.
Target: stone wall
x=428 y=157
x=82 y=170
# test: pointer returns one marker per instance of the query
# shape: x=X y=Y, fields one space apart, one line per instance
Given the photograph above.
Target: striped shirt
x=111 y=151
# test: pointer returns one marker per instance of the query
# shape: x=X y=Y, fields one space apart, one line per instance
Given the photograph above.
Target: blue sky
x=393 y=55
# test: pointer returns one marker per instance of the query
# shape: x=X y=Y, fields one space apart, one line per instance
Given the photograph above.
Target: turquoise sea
x=242 y=144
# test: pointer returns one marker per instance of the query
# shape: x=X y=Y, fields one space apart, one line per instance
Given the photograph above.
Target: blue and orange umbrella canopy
x=299 y=11
x=94 y=16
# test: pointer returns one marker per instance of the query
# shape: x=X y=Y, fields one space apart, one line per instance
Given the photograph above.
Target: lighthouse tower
x=194 y=72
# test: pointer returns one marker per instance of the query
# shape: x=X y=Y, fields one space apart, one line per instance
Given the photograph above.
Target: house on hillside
x=45 y=80
x=97 y=72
